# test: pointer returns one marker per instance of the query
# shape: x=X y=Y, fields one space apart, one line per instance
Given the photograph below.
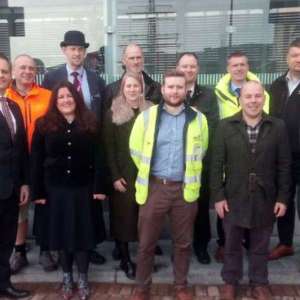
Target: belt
x=164 y=181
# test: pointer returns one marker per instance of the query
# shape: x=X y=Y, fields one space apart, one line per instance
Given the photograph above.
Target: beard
x=172 y=104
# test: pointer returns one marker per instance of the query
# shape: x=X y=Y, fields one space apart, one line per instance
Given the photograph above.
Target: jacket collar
x=238 y=118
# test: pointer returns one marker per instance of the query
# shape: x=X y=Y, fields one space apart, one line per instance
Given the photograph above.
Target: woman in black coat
x=66 y=178
x=118 y=124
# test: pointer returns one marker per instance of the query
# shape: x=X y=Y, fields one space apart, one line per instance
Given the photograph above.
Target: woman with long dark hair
x=118 y=124
x=66 y=177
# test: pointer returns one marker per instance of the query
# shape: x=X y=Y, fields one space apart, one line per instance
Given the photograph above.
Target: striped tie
x=7 y=115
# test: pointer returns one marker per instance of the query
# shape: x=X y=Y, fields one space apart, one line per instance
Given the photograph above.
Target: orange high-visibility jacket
x=33 y=106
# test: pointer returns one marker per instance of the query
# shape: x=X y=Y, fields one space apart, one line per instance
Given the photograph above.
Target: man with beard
x=167 y=144
x=205 y=101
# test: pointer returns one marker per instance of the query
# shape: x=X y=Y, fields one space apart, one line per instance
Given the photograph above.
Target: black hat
x=74 y=38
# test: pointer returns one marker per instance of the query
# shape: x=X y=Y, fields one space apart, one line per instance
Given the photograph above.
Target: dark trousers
x=286 y=224
x=232 y=270
x=81 y=258
x=202 y=233
x=9 y=210
x=165 y=200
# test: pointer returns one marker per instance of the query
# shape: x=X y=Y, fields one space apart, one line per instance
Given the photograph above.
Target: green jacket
x=142 y=141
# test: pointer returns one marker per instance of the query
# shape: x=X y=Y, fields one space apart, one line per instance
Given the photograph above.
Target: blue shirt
x=167 y=161
x=83 y=84
x=233 y=88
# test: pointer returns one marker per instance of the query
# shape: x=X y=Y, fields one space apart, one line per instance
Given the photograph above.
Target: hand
x=279 y=209
x=221 y=207
x=24 y=195
x=120 y=185
x=40 y=201
x=99 y=197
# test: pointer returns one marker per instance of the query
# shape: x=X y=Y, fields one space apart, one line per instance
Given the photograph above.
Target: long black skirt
x=71 y=224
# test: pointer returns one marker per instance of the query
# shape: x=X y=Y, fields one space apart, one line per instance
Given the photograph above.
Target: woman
x=65 y=177
x=119 y=121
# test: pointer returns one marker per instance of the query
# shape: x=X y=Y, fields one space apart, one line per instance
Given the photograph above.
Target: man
x=93 y=90
x=228 y=92
x=33 y=102
x=167 y=144
x=285 y=104
x=133 y=61
x=205 y=101
x=14 y=191
x=250 y=183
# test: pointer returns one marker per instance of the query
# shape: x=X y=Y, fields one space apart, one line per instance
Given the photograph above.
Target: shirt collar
x=182 y=108
x=80 y=70
x=290 y=78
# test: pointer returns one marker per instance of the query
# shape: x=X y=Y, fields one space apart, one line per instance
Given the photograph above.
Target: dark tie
x=188 y=97
x=238 y=91
x=76 y=81
x=7 y=115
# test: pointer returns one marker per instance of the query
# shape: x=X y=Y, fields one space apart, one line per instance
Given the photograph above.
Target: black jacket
x=96 y=86
x=152 y=91
x=14 y=168
x=252 y=182
x=67 y=157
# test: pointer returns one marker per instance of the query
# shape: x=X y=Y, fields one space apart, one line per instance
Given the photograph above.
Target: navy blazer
x=96 y=86
x=14 y=170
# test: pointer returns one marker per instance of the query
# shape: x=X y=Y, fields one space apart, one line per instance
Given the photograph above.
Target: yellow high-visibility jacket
x=229 y=102
x=142 y=140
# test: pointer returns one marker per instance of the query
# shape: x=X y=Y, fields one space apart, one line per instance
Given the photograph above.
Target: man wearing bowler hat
x=92 y=88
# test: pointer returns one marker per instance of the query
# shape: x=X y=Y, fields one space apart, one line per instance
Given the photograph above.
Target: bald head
x=24 y=71
x=133 y=58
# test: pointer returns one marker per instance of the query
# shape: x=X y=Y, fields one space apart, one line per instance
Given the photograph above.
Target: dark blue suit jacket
x=96 y=86
x=14 y=170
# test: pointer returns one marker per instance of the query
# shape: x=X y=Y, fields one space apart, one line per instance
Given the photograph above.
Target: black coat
x=96 y=86
x=14 y=168
x=253 y=182
x=287 y=108
x=152 y=91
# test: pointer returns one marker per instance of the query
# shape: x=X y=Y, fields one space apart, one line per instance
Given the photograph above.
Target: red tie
x=7 y=115
x=76 y=81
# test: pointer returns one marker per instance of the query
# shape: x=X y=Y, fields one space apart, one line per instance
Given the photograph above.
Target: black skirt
x=71 y=224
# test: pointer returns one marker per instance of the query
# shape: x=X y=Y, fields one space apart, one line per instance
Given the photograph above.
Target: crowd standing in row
x=154 y=151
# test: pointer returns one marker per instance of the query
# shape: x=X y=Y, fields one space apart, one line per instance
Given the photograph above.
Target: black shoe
x=13 y=293
x=203 y=256
x=129 y=269
x=116 y=254
x=158 y=251
x=96 y=258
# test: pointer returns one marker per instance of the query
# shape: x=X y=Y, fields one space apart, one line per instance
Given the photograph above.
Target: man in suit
x=14 y=191
x=133 y=61
x=205 y=101
x=93 y=90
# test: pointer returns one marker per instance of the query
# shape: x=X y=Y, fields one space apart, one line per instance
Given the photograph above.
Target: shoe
x=158 y=251
x=203 y=256
x=47 y=261
x=83 y=286
x=262 y=293
x=219 y=255
x=116 y=254
x=140 y=295
x=281 y=251
x=67 y=286
x=183 y=294
x=227 y=292
x=13 y=293
x=17 y=262
x=129 y=269
x=96 y=258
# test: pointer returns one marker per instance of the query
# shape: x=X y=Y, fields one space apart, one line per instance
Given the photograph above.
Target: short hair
x=252 y=81
x=5 y=58
x=24 y=55
x=172 y=73
x=294 y=43
x=193 y=54
x=236 y=54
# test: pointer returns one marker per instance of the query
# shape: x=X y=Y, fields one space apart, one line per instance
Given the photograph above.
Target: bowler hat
x=74 y=38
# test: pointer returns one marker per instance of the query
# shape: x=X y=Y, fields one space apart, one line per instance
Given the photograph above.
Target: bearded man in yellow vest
x=167 y=144
x=228 y=92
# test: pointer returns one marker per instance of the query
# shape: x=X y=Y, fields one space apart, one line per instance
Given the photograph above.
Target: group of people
x=154 y=151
